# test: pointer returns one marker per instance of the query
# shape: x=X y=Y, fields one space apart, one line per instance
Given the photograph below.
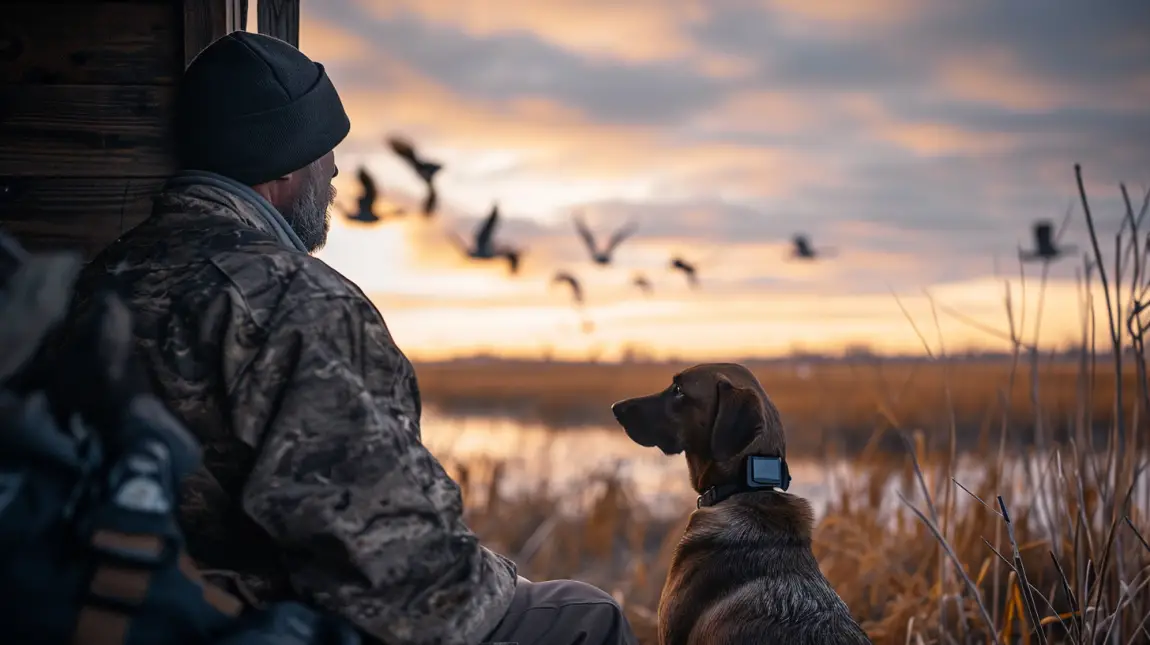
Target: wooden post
x=279 y=19
x=207 y=20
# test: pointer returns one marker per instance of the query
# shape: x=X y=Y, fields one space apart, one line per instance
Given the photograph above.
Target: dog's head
x=716 y=413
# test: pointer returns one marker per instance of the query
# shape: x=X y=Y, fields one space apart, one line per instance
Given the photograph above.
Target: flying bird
x=803 y=250
x=688 y=269
x=366 y=201
x=642 y=282
x=484 y=246
x=603 y=256
x=422 y=167
x=1045 y=249
x=573 y=282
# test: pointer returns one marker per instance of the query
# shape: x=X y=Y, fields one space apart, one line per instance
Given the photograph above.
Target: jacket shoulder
x=273 y=280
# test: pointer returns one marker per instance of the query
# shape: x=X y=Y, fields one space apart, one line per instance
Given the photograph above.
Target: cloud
x=327 y=42
x=920 y=140
x=847 y=14
x=524 y=64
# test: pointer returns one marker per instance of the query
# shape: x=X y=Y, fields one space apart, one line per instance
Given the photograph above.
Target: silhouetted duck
x=426 y=170
x=484 y=246
x=603 y=256
x=1044 y=244
x=573 y=282
x=688 y=269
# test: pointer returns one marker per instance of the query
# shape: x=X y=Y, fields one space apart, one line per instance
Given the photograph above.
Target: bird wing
x=369 y=188
x=404 y=149
x=624 y=232
x=512 y=260
x=572 y=281
x=431 y=201
x=483 y=237
x=428 y=170
x=692 y=277
x=1042 y=232
x=586 y=234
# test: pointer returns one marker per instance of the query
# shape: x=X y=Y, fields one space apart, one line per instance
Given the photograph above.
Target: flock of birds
x=485 y=247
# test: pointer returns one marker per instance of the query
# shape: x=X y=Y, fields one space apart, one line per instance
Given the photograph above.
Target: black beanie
x=254 y=108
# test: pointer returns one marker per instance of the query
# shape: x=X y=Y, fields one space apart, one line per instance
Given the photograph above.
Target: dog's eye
x=676 y=391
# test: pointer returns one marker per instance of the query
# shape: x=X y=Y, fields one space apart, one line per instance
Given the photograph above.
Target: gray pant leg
x=562 y=612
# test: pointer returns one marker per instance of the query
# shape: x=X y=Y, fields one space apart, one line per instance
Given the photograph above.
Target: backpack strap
x=116 y=584
x=121 y=582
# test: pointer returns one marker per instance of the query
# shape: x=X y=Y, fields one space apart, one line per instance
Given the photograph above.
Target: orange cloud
x=328 y=43
x=851 y=14
x=936 y=139
x=638 y=31
x=995 y=76
x=424 y=106
x=554 y=144
x=767 y=112
x=926 y=139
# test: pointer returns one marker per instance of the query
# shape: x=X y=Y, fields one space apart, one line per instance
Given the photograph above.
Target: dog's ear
x=738 y=418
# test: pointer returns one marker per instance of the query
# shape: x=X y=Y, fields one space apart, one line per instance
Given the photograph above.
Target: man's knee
x=564 y=611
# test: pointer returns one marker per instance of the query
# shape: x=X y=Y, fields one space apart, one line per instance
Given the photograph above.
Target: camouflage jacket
x=316 y=483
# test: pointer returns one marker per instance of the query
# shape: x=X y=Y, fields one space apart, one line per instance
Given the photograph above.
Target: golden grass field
x=1086 y=565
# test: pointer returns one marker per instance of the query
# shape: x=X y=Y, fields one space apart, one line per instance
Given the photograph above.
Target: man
x=315 y=482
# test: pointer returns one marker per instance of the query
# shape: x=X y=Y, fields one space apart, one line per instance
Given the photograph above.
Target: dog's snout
x=619 y=409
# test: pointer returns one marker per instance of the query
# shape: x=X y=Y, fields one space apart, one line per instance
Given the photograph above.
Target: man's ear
x=738 y=418
x=279 y=190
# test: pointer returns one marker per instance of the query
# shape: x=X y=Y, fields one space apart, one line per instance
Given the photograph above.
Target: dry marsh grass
x=1048 y=546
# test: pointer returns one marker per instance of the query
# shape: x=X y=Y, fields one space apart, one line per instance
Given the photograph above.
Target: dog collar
x=761 y=474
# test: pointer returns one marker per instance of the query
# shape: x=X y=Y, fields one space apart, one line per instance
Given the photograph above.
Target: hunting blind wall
x=86 y=94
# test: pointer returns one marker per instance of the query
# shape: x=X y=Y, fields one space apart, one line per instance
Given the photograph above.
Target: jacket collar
x=230 y=198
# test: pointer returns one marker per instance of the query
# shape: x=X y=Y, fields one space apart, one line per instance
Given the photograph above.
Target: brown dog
x=744 y=571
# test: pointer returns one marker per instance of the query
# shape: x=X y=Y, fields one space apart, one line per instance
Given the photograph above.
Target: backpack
x=90 y=549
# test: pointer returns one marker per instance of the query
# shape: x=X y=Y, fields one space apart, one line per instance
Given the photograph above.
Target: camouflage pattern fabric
x=316 y=484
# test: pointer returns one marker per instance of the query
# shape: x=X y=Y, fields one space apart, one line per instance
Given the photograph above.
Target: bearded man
x=316 y=484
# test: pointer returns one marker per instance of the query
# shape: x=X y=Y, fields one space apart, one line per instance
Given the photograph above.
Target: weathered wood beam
x=279 y=19
x=207 y=20
x=80 y=213
x=86 y=130
x=81 y=43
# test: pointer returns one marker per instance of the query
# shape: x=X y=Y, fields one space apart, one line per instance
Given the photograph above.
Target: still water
x=566 y=460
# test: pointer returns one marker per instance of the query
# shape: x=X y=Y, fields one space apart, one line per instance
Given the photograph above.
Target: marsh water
x=569 y=462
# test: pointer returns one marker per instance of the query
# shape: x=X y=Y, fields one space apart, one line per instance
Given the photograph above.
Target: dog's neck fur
x=705 y=473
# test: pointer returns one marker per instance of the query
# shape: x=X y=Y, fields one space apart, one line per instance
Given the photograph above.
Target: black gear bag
x=90 y=549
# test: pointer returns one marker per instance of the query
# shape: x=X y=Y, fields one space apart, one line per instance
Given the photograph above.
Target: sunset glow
x=918 y=140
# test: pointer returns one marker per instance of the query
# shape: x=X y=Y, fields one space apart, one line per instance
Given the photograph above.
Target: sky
x=917 y=140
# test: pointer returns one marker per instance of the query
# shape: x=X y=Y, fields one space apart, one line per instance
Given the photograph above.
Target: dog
x=743 y=572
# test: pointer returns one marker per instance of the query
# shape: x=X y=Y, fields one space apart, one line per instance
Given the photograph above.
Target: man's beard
x=310 y=212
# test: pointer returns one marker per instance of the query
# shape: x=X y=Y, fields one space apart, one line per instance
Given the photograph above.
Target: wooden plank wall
x=86 y=90
x=280 y=19
x=86 y=94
